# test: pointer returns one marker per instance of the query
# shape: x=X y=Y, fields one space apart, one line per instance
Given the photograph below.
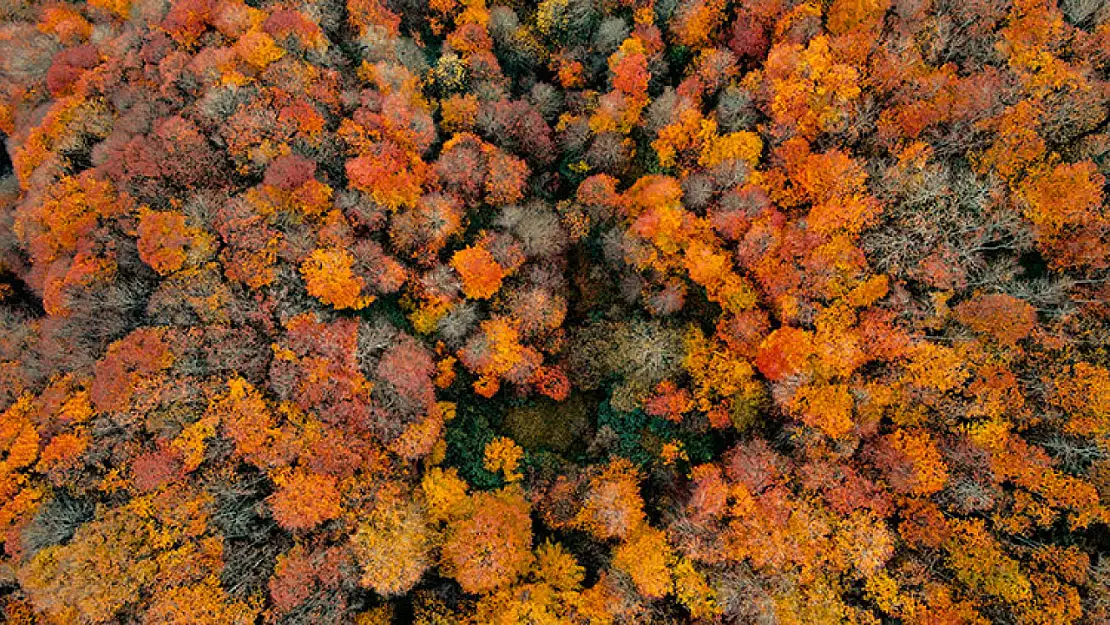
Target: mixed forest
x=577 y=312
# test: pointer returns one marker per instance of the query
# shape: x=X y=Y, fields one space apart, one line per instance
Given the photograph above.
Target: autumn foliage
x=569 y=312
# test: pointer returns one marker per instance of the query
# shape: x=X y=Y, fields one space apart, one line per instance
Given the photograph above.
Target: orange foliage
x=1085 y=393
x=258 y=49
x=827 y=407
x=936 y=366
x=329 y=276
x=1005 y=318
x=507 y=176
x=853 y=16
x=69 y=213
x=491 y=546
x=784 y=352
x=65 y=23
x=480 y=272
x=612 y=507
x=929 y=473
x=388 y=175
x=1018 y=144
x=697 y=21
x=248 y=421
x=166 y=243
x=1067 y=208
x=304 y=499
x=205 y=603
x=813 y=93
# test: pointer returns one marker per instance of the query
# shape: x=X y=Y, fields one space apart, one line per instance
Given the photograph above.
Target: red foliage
x=156 y=469
x=289 y=172
x=408 y=367
x=68 y=66
x=143 y=354
x=784 y=352
x=552 y=382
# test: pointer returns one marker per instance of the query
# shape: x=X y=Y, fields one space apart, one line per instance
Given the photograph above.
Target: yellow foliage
x=647 y=558
x=445 y=493
x=742 y=146
x=459 y=112
x=694 y=592
x=190 y=443
x=393 y=546
x=936 y=366
x=557 y=567
x=502 y=455
x=827 y=407
x=978 y=561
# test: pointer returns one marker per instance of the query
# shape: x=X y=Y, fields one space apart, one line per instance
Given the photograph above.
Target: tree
x=811 y=92
x=388 y=175
x=913 y=463
x=1065 y=204
x=206 y=603
x=247 y=419
x=1005 y=318
x=646 y=557
x=507 y=175
x=491 y=546
x=480 y=273
x=304 y=499
x=980 y=563
x=827 y=407
x=503 y=456
x=496 y=353
x=166 y=243
x=612 y=506
x=393 y=547
x=95 y=576
x=784 y=352
x=329 y=276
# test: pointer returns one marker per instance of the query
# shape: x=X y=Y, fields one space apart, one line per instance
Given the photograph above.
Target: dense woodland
x=584 y=312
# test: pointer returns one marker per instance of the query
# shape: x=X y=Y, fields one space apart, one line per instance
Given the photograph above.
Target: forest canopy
x=577 y=312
